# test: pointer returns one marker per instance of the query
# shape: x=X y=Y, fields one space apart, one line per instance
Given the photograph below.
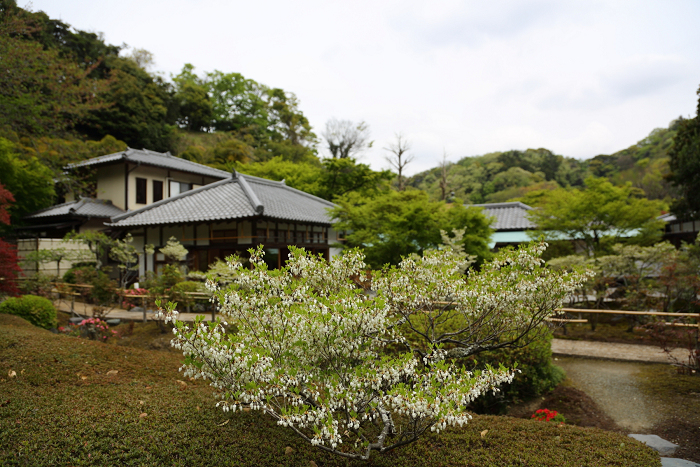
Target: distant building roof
x=83 y=207
x=668 y=217
x=509 y=216
x=157 y=159
x=238 y=197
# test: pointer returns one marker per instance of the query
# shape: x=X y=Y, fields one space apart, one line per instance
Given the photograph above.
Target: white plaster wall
x=110 y=184
x=333 y=239
x=25 y=246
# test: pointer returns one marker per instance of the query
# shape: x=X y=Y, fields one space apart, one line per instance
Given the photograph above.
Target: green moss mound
x=37 y=310
x=80 y=402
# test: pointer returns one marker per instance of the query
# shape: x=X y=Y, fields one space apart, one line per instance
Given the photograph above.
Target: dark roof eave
x=56 y=225
x=217 y=221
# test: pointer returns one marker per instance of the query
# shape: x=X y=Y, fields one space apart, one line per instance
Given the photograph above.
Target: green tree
x=60 y=82
x=123 y=252
x=265 y=121
x=397 y=224
x=599 y=215
x=57 y=255
x=41 y=91
x=30 y=182
x=138 y=108
x=238 y=103
x=685 y=166
x=98 y=243
x=329 y=179
x=501 y=176
x=346 y=175
x=228 y=152
x=195 y=109
x=55 y=153
x=305 y=176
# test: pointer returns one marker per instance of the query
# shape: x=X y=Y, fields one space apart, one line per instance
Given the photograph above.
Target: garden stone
x=137 y=309
x=675 y=462
x=75 y=320
x=113 y=321
x=657 y=443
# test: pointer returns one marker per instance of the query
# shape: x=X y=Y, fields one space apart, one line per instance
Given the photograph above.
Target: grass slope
x=63 y=408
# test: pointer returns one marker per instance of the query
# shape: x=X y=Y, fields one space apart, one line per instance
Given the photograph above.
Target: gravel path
x=613 y=351
x=611 y=384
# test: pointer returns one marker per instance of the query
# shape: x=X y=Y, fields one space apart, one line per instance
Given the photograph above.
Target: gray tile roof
x=157 y=159
x=509 y=216
x=83 y=207
x=238 y=197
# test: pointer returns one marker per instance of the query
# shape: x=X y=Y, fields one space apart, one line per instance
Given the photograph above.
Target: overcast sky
x=580 y=78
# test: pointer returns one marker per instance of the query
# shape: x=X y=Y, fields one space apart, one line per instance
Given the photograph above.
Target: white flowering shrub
x=501 y=305
x=355 y=365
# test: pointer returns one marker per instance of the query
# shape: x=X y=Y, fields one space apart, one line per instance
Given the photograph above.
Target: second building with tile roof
x=510 y=222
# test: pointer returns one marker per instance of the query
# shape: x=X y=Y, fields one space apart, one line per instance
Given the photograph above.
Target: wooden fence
x=64 y=289
x=696 y=316
x=69 y=291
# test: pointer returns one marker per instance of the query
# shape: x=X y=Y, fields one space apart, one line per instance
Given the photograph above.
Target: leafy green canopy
x=264 y=122
x=501 y=176
x=41 y=91
x=65 y=82
x=396 y=224
x=599 y=215
x=685 y=166
x=644 y=164
x=329 y=179
x=528 y=175
x=27 y=179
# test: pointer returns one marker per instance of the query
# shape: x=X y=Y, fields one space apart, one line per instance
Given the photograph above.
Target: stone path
x=612 y=385
x=614 y=351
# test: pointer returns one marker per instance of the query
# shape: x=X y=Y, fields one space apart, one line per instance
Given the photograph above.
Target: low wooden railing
x=62 y=289
x=629 y=312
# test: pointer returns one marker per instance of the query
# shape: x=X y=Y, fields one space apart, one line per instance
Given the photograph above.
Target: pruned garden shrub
x=37 y=310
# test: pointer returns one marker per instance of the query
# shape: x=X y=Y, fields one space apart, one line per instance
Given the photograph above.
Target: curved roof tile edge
x=128 y=151
x=235 y=176
x=168 y=200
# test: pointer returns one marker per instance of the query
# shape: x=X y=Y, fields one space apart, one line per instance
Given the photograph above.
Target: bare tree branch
x=345 y=139
x=399 y=157
x=443 y=176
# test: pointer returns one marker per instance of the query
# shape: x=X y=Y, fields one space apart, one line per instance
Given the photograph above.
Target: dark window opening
x=272 y=258
x=157 y=190
x=141 y=190
x=224 y=236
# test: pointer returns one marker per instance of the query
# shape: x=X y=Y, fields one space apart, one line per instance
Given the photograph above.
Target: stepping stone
x=674 y=462
x=660 y=445
x=137 y=309
x=75 y=320
x=113 y=321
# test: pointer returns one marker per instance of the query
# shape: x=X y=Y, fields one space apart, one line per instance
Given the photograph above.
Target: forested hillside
x=524 y=175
